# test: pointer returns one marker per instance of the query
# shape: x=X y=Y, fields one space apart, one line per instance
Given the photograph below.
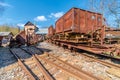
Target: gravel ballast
x=9 y=69
x=81 y=62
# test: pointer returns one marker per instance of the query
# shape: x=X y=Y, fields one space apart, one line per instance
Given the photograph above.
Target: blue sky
x=41 y=12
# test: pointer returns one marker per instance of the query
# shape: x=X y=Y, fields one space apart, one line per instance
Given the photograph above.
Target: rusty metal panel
x=79 y=21
x=68 y=20
x=22 y=34
x=82 y=21
x=95 y=21
x=59 y=26
x=88 y=22
x=99 y=20
x=71 y=21
x=21 y=38
x=51 y=31
x=76 y=23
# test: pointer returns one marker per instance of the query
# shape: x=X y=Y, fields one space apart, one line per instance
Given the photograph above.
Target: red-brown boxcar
x=51 y=31
x=79 y=21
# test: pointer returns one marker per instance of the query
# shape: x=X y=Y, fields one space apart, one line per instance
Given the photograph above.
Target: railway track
x=96 y=59
x=31 y=71
x=69 y=69
x=101 y=61
x=91 y=57
x=54 y=61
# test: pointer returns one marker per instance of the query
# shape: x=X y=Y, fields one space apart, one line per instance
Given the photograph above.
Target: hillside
x=14 y=30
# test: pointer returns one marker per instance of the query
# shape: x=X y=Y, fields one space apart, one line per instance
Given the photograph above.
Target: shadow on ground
x=7 y=58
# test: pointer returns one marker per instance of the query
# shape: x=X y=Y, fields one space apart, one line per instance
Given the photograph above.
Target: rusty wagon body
x=27 y=36
x=23 y=39
x=79 y=21
x=78 y=25
x=51 y=31
x=85 y=30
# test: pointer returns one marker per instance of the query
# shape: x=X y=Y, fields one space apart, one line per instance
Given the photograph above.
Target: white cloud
x=40 y=18
x=20 y=24
x=4 y=4
x=56 y=15
x=38 y=26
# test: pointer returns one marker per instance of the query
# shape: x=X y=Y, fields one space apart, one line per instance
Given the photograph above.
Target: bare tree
x=107 y=8
x=114 y=9
x=92 y=5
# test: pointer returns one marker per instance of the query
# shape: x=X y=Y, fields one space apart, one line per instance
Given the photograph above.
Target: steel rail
x=89 y=74
x=71 y=69
x=102 y=62
x=41 y=67
x=22 y=65
x=93 y=58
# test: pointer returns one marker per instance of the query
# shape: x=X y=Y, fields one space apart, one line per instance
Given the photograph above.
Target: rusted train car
x=78 y=25
x=51 y=31
x=22 y=39
x=81 y=29
x=27 y=36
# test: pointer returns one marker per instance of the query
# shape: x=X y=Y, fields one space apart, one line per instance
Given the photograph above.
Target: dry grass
x=6 y=28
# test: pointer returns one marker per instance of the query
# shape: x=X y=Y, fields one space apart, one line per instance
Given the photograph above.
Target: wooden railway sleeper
x=43 y=70
x=71 y=71
x=52 y=56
